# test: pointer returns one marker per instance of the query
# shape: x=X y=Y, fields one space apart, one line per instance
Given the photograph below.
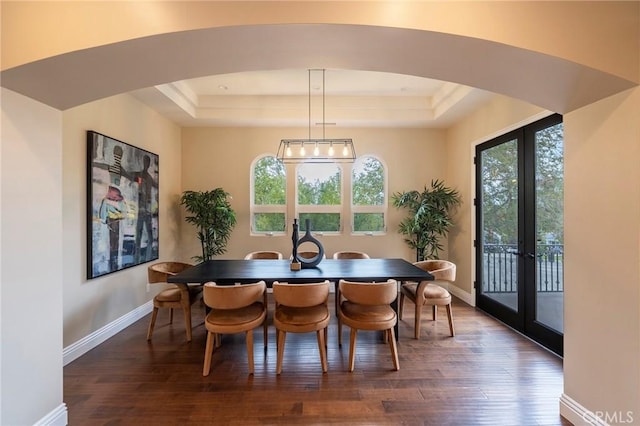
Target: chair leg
x=250 y=350
x=208 y=352
x=322 y=349
x=187 y=320
x=152 y=324
x=418 y=318
x=394 y=348
x=352 y=349
x=401 y=305
x=170 y=315
x=450 y=316
x=337 y=300
x=265 y=334
x=281 y=338
x=434 y=312
x=265 y=325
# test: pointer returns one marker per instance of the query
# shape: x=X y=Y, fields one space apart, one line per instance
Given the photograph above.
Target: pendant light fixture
x=317 y=150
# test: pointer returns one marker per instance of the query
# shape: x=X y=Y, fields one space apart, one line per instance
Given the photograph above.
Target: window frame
x=383 y=208
x=266 y=208
x=324 y=208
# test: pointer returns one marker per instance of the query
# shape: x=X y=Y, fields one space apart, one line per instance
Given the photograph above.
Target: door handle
x=521 y=254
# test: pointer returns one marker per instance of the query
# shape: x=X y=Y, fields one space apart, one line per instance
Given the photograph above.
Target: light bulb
x=331 y=149
x=302 y=151
x=288 y=151
x=345 y=150
x=316 y=150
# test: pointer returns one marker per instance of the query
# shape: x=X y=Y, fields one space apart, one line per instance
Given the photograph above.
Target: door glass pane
x=499 y=174
x=549 y=226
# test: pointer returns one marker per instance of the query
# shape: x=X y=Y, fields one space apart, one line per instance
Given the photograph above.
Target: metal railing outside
x=501 y=273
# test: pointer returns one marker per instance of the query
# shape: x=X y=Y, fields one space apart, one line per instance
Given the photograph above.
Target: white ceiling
x=282 y=98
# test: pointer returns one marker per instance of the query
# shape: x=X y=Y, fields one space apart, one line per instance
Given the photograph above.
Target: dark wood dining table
x=231 y=271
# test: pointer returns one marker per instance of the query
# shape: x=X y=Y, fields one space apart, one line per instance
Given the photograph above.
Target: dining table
x=236 y=271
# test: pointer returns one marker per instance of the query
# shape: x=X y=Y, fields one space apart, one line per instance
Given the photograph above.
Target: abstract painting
x=122 y=205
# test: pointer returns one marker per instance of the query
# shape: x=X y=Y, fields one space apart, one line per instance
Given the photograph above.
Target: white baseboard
x=57 y=417
x=84 y=345
x=468 y=298
x=577 y=414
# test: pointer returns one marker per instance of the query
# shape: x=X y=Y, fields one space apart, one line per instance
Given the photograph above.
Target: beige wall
x=31 y=263
x=601 y=35
x=602 y=249
x=222 y=157
x=499 y=116
x=92 y=304
x=564 y=70
x=601 y=342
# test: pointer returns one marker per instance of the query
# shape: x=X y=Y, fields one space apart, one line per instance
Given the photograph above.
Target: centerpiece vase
x=308 y=238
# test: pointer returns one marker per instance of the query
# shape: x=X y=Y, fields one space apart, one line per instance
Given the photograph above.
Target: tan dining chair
x=301 y=308
x=263 y=254
x=430 y=293
x=350 y=255
x=367 y=306
x=234 y=309
x=345 y=255
x=178 y=296
x=308 y=255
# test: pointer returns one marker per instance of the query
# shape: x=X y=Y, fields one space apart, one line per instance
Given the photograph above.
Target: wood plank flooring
x=486 y=375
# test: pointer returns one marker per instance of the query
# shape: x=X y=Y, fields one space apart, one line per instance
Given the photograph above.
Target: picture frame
x=122 y=205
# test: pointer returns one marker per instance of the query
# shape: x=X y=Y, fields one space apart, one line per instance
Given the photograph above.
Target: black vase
x=294 y=241
x=308 y=238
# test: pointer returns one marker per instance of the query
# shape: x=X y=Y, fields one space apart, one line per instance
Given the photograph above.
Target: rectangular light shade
x=316 y=151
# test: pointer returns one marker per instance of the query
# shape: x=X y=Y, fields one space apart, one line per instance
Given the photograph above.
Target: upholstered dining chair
x=301 y=308
x=345 y=255
x=366 y=306
x=263 y=254
x=308 y=255
x=234 y=309
x=350 y=255
x=178 y=296
x=430 y=293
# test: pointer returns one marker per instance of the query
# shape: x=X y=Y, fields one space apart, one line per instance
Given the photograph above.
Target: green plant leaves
x=429 y=218
x=211 y=213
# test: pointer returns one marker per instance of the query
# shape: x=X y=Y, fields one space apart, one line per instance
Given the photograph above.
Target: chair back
x=442 y=270
x=301 y=295
x=263 y=254
x=308 y=255
x=382 y=293
x=159 y=272
x=350 y=255
x=233 y=296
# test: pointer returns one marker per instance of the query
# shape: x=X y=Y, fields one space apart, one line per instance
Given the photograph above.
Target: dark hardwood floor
x=485 y=375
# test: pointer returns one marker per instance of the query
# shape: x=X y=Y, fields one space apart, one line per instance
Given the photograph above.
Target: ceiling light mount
x=318 y=150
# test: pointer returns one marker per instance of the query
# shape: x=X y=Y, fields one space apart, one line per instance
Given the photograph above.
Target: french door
x=519 y=230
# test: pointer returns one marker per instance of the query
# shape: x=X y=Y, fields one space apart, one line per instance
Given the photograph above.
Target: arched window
x=319 y=196
x=368 y=196
x=268 y=196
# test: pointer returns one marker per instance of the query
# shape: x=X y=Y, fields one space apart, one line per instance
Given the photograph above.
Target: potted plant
x=429 y=219
x=212 y=215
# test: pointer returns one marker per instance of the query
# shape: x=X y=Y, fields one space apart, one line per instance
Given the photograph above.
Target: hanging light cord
x=309 y=104
x=323 y=107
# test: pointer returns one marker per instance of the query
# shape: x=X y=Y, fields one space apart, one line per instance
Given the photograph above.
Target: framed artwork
x=122 y=205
